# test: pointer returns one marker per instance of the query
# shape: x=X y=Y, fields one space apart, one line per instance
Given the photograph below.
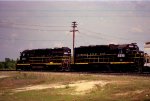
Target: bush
x=9 y=64
x=2 y=65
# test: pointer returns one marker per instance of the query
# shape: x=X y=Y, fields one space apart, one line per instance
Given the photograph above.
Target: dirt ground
x=3 y=76
x=81 y=87
x=74 y=84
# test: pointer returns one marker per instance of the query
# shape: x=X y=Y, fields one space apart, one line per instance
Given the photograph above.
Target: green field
x=50 y=86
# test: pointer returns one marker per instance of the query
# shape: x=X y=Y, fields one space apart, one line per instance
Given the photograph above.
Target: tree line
x=8 y=64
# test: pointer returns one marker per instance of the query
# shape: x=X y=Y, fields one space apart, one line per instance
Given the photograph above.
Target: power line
x=90 y=30
x=11 y=23
x=94 y=36
x=76 y=10
x=107 y=36
x=37 y=29
x=97 y=36
x=90 y=35
x=19 y=39
x=81 y=16
x=29 y=26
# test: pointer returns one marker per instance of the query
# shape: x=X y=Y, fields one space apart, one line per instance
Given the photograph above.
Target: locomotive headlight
x=121 y=55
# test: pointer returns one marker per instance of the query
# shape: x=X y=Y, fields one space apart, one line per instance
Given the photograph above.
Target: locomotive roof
x=110 y=45
x=64 y=48
x=123 y=45
x=147 y=43
x=92 y=46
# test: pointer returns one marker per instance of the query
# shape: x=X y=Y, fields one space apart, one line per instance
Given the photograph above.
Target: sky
x=47 y=24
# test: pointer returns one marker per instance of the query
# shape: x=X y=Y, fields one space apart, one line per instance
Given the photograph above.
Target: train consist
x=121 y=57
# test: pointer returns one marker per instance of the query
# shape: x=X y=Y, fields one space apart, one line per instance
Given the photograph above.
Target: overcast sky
x=47 y=24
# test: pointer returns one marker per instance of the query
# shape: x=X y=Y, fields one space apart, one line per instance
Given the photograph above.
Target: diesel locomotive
x=112 y=57
x=47 y=59
x=123 y=57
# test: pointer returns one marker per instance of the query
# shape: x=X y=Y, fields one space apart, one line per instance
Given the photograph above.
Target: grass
x=123 y=88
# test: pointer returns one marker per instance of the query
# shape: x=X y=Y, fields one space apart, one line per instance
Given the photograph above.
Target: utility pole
x=74 y=25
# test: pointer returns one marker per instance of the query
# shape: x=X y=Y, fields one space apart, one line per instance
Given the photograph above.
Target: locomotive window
x=23 y=54
x=120 y=50
x=131 y=46
x=65 y=52
x=23 y=58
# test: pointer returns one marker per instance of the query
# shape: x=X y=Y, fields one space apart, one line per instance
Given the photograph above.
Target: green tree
x=2 y=65
x=9 y=64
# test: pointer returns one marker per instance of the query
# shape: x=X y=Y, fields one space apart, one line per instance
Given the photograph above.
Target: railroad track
x=146 y=72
